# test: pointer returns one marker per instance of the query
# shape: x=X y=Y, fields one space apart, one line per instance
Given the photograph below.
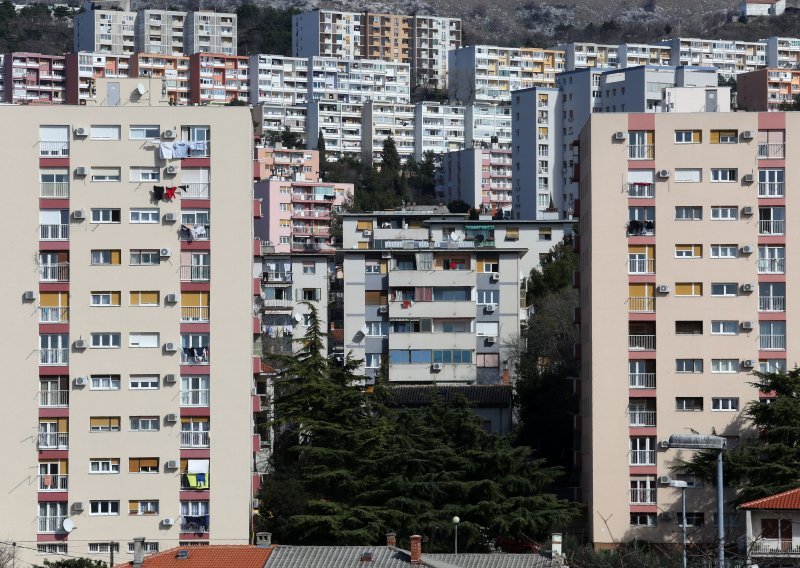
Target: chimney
x=391 y=540
x=138 y=551
x=416 y=549
x=263 y=539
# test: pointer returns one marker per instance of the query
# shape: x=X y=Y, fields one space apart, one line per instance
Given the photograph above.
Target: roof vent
x=182 y=554
x=366 y=556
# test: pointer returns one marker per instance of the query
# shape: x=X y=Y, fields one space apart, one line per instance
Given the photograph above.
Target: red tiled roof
x=267 y=369
x=786 y=500
x=211 y=556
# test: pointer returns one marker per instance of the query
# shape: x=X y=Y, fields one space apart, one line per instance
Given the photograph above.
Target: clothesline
x=181 y=149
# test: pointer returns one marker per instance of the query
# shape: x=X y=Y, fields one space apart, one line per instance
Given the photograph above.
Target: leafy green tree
x=323 y=157
x=264 y=29
x=290 y=139
x=555 y=272
x=459 y=206
x=73 y=563
x=390 y=158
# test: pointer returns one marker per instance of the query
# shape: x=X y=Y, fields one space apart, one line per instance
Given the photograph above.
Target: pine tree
x=390 y=158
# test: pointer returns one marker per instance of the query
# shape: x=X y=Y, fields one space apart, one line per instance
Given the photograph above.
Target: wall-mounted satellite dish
x=298 y=318
x=140 y=89
x=68 y=525
x=453 y=236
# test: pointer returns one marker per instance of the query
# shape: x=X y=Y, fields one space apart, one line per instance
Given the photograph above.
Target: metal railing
x=637 y=228
x=770 y=189
x=54 y=272
x=195 y=397
x=52 y=482
x=195 y=273
x=53 y=149
x=642 y=418
x=772 y=342
x=54 y=398
x=775 y=546
x=776 y=227
x=50 y=524
x=53 y=315
x=642 y=342
x=194 y=314
x=54 y=232
x=196 y=190
x=769 y=151
x=278 y=303
x=772 y=265
x=641 y=304
x=54 y=189
x=643 y=496
x=53 y=440
x=642 y=380
x=311 y=213
x=643 y=457
x=772 y=303
x=641 y=152
x=191 y=232
x=195 y=439
x=641 y=190
x=641 y=265
x=282 y=277
x=59 y=356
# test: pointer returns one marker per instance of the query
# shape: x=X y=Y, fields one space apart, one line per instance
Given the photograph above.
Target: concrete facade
x=767 y=89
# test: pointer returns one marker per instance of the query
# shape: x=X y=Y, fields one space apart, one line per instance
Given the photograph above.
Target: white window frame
x=724 y=175
x=724 y=213
x=144 y=216
x=487 y=328
x=717 y=249
x=105 y=382
x=104 y=508
x=144 y=340
x=695 y=213
x=680 y=136
x=142 y=174
x=150 y=253
x=688 y=175
x=697 y=366
x=724 y=327
x=102 y=547
x=144 y=382
x=727 y=287
x=687 y=253
x=105 y=132
x=105 y=216
x=145 y=423
x=725 y=404
x=372 y=361
x=140 y=132
x=101 y=257
x=102 y=299
x=377 y=328
x=680 y=404
x=113 y=468
x=106 y=174
x=491 y=294
x=725 y=366
x=105 y=340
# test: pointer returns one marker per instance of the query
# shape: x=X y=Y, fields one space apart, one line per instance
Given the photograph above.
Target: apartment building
x=278 y=80
x=109 y=326
x=285 y=164
x=783 y=52
x=210 y=32
x=382 y=120
x=480 y=177
x=172 y=70
x=488 y=73
x=767 y=89
x=637 y=54
x=580 y=55
x=438 y=128
x=271 y=119
x=34 y=78
x=105 y=27
x=386 y=36
x=701 y=219
x=215 y=78
x=160 y=31
x=83 y=69
x=358 y=80
x=298 y=214
x=488 y=125
x=434 y=37
x=340 y=124
x=729 y=57
x=327 y=33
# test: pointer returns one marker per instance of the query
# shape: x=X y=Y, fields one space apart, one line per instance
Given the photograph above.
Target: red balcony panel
x=195 y=286
x=54 y=412
x=256 y=483
x=54 y=204
x=772 y=278
x=642 y=316
x=643 y=240
x=256 y=442
x=256 y=247
x=53 y=286
x=256 y=403
x=195 y=495
x=195 y=163
x=53 y=328
x=646 y=431
x=195 y=411
x=53 y=496
x=205 y=453
x=641 y=278
x=53 y=454
x=256 y=286
x=54 y=162
x=641 y=164
x=53 y=370
x=257 y=208
x=644 y=508
x=53 y=245
x=199 y=203
x=643 y=470
x=195 y=536
x=770 y=394
x=196 y=245
x=772 y=316
x=642 y=393
x=60 y=537
x=195 y=328
x=256 y=325
x=771 y=240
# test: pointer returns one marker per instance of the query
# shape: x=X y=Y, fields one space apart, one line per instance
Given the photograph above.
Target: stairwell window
x=724 y=365
x=688 y=365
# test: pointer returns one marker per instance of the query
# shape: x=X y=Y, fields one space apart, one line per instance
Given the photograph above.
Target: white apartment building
x=327 y=33
x=340 y=124
x=438 y=128
x=783 y=52
x=272 y=119
x=132 y=412
x=479 y=176
x=636 y=54
x=358 y=80
x=382 y=120
x=488 y=126
x=579 y=55
x=729 y=57
x=160 y=31
x=105 y=30
x=278 y=80
x=210 y=32
x=433 y=38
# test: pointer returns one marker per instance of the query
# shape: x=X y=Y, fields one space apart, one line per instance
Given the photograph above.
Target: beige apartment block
x=123 y=418
x=683 y=273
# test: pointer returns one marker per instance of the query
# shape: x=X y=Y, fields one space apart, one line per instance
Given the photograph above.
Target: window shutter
x=512 y=233
x=135 y=298
x=116 y=257
x=715 y=136
x=133 y=507
x=133 y=465
x=116 y=298
x=683 y=289
x=317 y=294
x=191 y=299
x=63 y=424
x=149 y=297
x=49 y=299
x=696 y=136
x=98 y=421
x=364 y=226
x=148 y=462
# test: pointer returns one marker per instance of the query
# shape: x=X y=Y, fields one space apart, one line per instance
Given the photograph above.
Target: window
x=487 y=360
x=143 y=465
x=487 y=328
x=723 y=251
x=377 y=329
x=143 y=382
x=725 y=289
x=104 y=465
x=724 y=174
x=772 y=365
x=688 y=175
x=149 y=507
x=145 y=132
x=309 y=268
x=104 y=424
x=688 y=365
x=105 y=299
x=104 y=382
x=51 y=548
x=105 y=340
x=105 y=215
x=102 y=547
x=689 y=404
x=106 y=174
x=140 y=216
x=688 y=288
x=144 y=423
x=724 y=365
x=692 y=519
x=725 y=404
x=145 y=257
x=454 y=356
x=688 y=137
x=309 y=294
x=724 y=136
x=139 y=174
x=490 y=264
x=488 y=297
x=688 y=251
x=724 y=327
x=689 y=327
x=373 y=361
x=144 y=340
x=104 y=132
x=725 y=213
x=688 y=213
x=372 y=267
x=642 y=450
x=106 y=257
x=149 y=547
x=643 y=519
x=144 y=298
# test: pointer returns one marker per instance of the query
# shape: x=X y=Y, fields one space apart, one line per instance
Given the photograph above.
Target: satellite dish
x=453 y=236
x=140 y=89
x=298 y=318
x=68 y=525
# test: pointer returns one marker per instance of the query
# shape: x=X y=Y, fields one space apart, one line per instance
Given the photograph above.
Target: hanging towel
x=198 y=147
x=48 y=480
x=166 y=149
x=158 y=192
x=169 y=193
x=181 y=149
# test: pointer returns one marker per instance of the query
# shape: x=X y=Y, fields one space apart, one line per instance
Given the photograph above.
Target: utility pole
x=111 y=553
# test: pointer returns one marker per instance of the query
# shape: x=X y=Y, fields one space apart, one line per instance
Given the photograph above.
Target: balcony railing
x=642 y=380
x=53 y=440
x=776 y=547
x=196 y=190
x=772 y=265
x=770 y=151
x=53 y=149
x=282 y=277
x=198 y=232
x=643 y=457
x=313 y=213
x=54 y=272
x=641 y=228
x=54 y=189
x=772 y=303
x=640 y=418
x=272 y=303
x=195 y=524
x=53 y=315
x=54 y=232
x=770 y=189
x=641 y=304
x=50 y=524
x=642 y=342
x=194 y=314
x=777 y=342
x=641 y=190
x=48 y=482
x=54 y=398
x=59 y=356
x=195 y=273
x=776 y=227
x=195 y=397
x=641 y=265
x=195 y=439
x=641 y=152
x=643 y=496
x=195 y=356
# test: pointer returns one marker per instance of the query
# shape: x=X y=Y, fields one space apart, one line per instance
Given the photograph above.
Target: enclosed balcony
x=54 y=356
x=641 y=336
x=53 y=440
x=643 y=496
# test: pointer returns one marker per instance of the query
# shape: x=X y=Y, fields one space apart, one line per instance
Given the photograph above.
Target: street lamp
x=456 y=520
x=698 y=442
x=682 y=485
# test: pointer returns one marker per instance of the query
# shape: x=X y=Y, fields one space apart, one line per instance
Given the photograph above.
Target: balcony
x=53 y=315
x=53 y=482
x=58 y=356
x=54 y=189
x=194 y=523
x=643 y=457
x=641 y=152
x=771 y=151
x=53 y=149
x=776 y=227
x=641 y=190
x=776 y=547
x=772 y=303
x=311 y=213
x=772 y=342
x=54 y=272
x=53 y=441
x=195 y=314
x=195 y=439
x=641 y=265
x=196 y=190
x=50 y=524
x=636 y=228
x=54 y=232
x=642 y=380
x=770 y=189
x=195 y=356
x=277 y=277
x=771 y=265
x=641 y=418
x=641 y=304
x=54 y=399
x=195 y=397
x=195 y=273
x=643 y=496
x=642 y=342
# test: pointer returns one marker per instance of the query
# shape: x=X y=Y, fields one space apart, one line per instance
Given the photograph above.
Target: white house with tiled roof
x=772 y=539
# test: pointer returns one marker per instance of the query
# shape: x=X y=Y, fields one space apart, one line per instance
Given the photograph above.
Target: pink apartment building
x=32 y=78
x=285 y=164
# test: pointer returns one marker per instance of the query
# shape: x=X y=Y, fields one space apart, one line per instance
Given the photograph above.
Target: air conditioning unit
x=170 y=217
x=748 y=178
x=747 y=249
x=383 y=309
x=666 y=516
x=490 y=308
x=77 y=507
x=664 y=479
x=81 y=171
x=747 y=211
x=165 y=252
x=170 y=347
x=171 y=464
x=490 y=339
x=169 y=379
x=664 y=173
x=171 y=170
x=748 y=325
x=386 y=255
x=663 y=289
x=169 y=133
x=436 y=367
x=81 y=344
x=748 y=363
x=171 y=418
x=620 y=136
x=171 y=298
x=29 y=295
x=748 y=287
x=495 y=277
x=366 y=234
x=80 y=131
x=81 y=381
x=664 y=444
x=167 y=522
x=747 y=135
x=79 y=214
